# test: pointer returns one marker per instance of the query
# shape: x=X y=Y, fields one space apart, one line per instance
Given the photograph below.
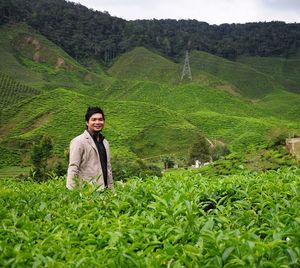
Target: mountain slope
x=131 y=127
x=150 y=113
x=284 y=71
x=247 y=81
x=237 y=78
x=12 y=92
x=142 y=64
x=35 y=61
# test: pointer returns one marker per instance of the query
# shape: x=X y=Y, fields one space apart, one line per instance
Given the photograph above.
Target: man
x=89 y=154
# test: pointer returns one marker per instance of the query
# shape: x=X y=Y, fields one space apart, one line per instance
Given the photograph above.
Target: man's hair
x=93 y=110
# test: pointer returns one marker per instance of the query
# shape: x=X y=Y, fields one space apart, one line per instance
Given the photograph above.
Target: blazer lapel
x=90 y=140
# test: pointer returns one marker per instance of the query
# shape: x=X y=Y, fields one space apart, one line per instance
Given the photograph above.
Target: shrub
x=277 y=136
x=124 y=168
x=39 y=156
x=219 y=150
x=200 y=150
x=168 y=161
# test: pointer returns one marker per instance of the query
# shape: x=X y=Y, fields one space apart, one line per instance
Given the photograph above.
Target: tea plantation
x=245 y=220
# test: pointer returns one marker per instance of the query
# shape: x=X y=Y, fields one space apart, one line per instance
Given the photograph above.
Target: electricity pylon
x=186 y=71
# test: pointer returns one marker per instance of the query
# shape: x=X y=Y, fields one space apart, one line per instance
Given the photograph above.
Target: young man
x=89 y=154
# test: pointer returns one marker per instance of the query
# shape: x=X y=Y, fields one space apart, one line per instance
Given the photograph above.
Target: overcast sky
x=210 y=11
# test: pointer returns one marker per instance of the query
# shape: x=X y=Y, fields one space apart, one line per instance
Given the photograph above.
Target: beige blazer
x=84 y=162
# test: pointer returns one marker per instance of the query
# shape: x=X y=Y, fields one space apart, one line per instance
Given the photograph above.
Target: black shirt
x=102 y=155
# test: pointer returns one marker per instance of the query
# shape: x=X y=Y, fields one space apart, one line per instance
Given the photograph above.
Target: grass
x=238 y=131
x=217 y=113
x=142 y=64
x=282 y=105
x=31 y=58
x=247 y=81
x=284 y=71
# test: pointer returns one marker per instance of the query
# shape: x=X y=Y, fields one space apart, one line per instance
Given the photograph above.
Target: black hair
x=93 y=110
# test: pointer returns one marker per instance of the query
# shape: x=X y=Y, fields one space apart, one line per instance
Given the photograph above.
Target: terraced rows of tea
x=12 y=92
x=246 y=220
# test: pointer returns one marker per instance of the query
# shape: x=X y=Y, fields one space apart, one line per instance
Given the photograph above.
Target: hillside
x=245 y=80
x=12 y=92
x=30 y=58
x=133 y=128
x=282 y=70
x=137 y=128
x=209 y=101
x=215 y=72
x=150 y=113
x=141 y=64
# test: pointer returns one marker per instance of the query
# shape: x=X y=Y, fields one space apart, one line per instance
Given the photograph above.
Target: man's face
x=95 y=123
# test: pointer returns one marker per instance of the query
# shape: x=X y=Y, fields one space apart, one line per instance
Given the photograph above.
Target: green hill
x=12 y=92
x=284 y=71
x=219 y=114
x=142 y=64
x=137 y=128
x=281 y=104
x=150 y=113
x=245 y=80
x=33 y=60
x=133 y=128
x=215 y=72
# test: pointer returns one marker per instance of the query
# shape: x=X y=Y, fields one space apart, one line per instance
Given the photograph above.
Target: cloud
x=212 y=11
x=282 y=4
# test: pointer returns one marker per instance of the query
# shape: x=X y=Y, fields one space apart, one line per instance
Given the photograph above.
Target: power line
x=186 y=71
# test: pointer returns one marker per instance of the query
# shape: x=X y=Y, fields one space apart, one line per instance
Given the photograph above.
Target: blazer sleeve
x=109 y=169
x=76 y=152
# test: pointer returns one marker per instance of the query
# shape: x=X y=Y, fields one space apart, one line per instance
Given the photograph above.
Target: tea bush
x=245 y=220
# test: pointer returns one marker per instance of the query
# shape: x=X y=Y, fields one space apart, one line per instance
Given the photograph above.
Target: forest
x=86 y=33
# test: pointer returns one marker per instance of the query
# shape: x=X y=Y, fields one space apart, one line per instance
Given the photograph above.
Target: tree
x=200 y=150
x=40 y=153
x=79 y=31
x=124 y=168
x=219 y=150
x=168 y=161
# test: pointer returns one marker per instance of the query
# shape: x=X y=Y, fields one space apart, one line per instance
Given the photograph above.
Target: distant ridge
x=84 y=32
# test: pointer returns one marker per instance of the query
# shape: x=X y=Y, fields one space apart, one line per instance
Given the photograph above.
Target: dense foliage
x=83 y=32
x=254 y=159
x=249 y=220
x=200 y=150
x=40 y=153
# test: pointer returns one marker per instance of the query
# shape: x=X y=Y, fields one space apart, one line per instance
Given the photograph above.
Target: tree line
x=85 y=33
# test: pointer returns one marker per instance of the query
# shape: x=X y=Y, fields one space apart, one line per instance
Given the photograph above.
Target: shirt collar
x=94 y=135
